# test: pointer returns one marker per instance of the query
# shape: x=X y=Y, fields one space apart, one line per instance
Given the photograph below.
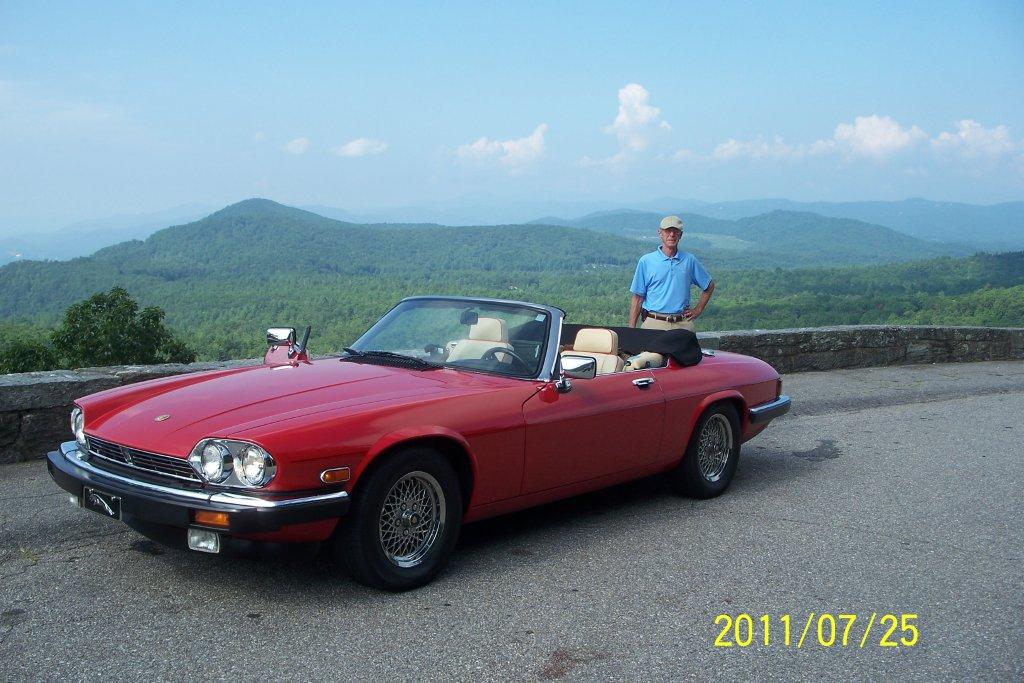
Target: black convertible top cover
x=682 y=345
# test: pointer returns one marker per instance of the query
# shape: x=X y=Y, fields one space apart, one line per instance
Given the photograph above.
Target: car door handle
x=644 y=382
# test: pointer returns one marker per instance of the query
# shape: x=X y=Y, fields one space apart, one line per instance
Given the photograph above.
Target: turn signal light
x=207 y=518
x=335 y=475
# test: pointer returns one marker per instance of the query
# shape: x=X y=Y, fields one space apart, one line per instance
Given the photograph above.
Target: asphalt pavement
x=885 y=491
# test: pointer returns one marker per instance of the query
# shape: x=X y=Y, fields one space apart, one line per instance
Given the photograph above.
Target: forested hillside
x=996 y=225
x=782 y=238
x=224 y=279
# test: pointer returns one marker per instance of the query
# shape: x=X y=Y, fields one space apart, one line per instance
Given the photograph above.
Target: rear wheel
x=403 y=523
x=711 y=457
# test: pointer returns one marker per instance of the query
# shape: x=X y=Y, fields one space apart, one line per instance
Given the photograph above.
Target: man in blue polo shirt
x=661 y=285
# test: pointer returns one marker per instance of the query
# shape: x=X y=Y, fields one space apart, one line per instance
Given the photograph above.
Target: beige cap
x=672 y=223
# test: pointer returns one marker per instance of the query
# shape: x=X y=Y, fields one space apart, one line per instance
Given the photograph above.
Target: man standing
x=661 y=285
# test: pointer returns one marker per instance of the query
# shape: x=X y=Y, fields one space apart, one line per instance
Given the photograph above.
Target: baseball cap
x=672 y=223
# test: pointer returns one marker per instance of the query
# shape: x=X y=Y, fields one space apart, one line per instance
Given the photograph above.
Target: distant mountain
x=85 y=237
x=223 y=279
x=258 y=240
x=994 y=227
x=469 y=211
x=787 y=237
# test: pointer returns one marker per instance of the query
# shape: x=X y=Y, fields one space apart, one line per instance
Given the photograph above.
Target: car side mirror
x=282 y=348
x=281 y=335
x=579 y=367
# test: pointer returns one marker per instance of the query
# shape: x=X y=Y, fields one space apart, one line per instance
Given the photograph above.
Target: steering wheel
x=492 y=354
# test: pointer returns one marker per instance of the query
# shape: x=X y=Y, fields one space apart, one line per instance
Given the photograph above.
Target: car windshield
x=505 y=339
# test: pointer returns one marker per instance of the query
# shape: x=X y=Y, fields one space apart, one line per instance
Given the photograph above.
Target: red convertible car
x=448 y=410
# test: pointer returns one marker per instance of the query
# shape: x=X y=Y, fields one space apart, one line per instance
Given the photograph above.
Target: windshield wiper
x=390 y=356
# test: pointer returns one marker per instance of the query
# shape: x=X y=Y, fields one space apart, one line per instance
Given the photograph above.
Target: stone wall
x=35 y=406
x=831 y=348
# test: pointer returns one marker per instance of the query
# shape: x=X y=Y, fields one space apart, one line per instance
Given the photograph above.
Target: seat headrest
x=489 y=329
x=596 y=340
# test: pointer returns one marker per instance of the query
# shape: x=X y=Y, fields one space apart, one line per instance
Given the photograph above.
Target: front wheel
x=403 y=523
x=711 y=457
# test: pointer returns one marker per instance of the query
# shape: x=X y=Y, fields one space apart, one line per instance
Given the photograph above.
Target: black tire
x=357 y=544
x=689 y=478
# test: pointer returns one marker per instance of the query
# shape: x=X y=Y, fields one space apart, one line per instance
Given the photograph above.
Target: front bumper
x=156 y=504
x=767 y=412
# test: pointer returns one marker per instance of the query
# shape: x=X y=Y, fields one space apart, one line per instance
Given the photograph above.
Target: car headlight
x=214 y=462
x=254 y=466
x=78 y=426
x=232 y=463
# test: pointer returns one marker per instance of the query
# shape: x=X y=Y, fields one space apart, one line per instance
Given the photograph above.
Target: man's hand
x=693 y=313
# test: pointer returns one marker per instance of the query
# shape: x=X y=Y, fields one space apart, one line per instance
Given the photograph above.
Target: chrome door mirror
x=281 y=335
x=579 y=367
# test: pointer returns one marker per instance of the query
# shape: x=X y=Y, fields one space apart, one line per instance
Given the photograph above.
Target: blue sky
x=118 y=108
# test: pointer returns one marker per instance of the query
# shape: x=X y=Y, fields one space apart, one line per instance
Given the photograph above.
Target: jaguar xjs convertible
x=446 y=411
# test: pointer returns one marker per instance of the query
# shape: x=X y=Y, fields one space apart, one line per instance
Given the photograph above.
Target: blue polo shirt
x=664 y=282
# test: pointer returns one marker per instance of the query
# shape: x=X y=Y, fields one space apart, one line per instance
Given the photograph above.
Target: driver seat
x=600 y=344
x=486 y=334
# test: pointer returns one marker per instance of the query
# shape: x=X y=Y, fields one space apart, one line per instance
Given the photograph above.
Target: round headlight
x=78 y=426
x=254 y=466
x=215 y=461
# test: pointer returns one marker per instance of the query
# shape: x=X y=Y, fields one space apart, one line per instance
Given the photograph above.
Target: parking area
x=884 y=491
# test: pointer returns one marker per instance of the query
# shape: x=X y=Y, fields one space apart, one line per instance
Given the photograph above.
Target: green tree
x=109 y=329
x=27 y=355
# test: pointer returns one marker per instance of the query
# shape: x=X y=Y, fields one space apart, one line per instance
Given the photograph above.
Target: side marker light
x=335 y=475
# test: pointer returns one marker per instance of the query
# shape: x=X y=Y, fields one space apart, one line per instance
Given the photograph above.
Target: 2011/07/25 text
x=825 y=630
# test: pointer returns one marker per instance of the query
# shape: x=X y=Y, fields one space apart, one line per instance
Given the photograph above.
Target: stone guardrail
x=35 y=406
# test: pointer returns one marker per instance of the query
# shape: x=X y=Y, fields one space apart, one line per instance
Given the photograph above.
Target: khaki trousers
x=652 y=324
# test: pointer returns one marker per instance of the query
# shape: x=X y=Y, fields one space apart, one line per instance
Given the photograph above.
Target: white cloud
x=758 y=149
x=874 y=136
x=684 y=154
x=513 y=154
x=297 y=146
x=973 y=140
x=637 y=121
x=360 y=147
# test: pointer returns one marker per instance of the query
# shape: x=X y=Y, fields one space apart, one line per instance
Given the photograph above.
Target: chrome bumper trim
x=771 y=410
x=69 y=449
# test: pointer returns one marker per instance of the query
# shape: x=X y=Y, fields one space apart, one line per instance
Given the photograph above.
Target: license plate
x=106 y=504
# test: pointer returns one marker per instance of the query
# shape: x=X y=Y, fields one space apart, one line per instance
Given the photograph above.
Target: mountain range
x=997 y=227
x=261 y=238
x=224 y=278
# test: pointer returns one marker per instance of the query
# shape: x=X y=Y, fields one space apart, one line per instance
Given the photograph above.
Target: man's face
x=670 y=238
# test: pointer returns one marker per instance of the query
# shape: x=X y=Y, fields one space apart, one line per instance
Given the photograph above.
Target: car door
x=603 y=425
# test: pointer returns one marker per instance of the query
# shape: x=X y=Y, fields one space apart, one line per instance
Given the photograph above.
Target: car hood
x=222 y=404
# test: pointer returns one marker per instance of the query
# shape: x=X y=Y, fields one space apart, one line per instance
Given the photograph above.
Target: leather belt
x=674 y=318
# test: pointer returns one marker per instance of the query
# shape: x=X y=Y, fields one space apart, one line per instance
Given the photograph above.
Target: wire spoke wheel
x=715 y=447
x=411 y=518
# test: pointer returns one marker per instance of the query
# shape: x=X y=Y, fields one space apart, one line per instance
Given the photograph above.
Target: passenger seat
x=600 y=344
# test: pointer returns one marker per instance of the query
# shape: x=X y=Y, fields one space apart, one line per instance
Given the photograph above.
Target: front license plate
x=106 y=504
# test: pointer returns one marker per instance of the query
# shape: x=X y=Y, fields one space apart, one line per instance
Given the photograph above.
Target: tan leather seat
x=601 y=345
x=645 y=359
x=486 y=334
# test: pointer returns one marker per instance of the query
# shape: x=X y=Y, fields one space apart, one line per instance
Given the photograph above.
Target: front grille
x=141 y=460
